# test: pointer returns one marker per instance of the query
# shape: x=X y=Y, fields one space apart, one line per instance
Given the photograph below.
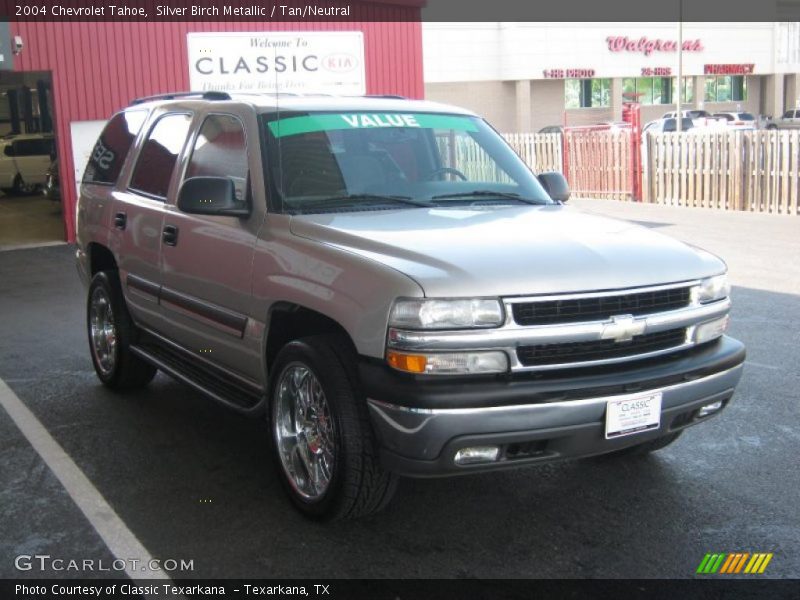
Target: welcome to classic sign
x=297 y=62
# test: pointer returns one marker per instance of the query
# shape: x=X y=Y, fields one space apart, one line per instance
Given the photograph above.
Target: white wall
x=513 y=51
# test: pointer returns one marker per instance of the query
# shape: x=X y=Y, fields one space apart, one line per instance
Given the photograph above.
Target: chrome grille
x=576 y=330
x=599 y=350
x=600 y=307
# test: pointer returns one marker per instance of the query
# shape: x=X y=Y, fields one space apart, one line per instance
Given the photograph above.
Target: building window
x=655 y=90
x=688 y=89
x=587 y=93
x=726 y=88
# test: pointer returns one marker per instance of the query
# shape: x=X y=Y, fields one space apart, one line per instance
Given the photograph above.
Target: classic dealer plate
x=633 y=414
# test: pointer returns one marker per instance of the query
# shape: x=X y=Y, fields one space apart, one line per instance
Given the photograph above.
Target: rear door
x=206 y=265
x=32 y=158
x=138 y=213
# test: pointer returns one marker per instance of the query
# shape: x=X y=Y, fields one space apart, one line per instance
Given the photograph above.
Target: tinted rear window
x=159 y=155
x=746 y=117
x=112 y=147
x=34 y=147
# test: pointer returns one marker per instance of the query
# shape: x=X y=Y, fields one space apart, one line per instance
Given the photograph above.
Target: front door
x=206 y=261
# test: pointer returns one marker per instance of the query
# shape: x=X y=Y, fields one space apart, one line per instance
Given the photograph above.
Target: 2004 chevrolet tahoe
x=391 y=289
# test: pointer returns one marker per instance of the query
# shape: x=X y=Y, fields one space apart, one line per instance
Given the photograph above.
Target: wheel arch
x=287 y=321
x=100 y=259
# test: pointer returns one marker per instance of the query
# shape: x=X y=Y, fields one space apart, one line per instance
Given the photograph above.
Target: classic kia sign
x=295 y=62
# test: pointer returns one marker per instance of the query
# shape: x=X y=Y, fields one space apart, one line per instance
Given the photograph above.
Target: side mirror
x=555 y=184
x=211 y=196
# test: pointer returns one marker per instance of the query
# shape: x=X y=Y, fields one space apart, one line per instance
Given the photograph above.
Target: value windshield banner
x=330 y=122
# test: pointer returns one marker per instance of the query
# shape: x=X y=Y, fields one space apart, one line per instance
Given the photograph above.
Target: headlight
x=421 y=313
x=713 y=288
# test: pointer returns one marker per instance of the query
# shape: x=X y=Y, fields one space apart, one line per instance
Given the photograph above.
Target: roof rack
x=211 y=95
x=391 y=96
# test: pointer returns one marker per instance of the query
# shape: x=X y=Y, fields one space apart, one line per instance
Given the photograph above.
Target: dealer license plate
x=633 y=414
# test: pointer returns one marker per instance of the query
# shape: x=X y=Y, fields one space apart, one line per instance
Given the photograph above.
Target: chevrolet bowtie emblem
x=622 y=328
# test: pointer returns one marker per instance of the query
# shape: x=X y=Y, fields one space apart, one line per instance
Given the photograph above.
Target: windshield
x=338 y=162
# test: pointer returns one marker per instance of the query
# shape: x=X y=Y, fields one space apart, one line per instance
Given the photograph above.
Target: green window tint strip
x=331 y=122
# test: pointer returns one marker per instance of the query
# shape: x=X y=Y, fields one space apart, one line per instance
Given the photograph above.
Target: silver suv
x=391 y=289
x=789 y=120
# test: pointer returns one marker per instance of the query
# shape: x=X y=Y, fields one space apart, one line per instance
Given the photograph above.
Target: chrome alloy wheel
x=304 y=431
x=102 y=330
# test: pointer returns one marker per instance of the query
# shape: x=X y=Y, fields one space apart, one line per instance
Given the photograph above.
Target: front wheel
x=111 y=332
x=22 y=188
x=322 y=439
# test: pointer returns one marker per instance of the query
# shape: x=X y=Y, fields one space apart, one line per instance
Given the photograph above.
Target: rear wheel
x=322 y=439
x=111 y=332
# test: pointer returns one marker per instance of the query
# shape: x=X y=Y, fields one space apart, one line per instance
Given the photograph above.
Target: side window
x=159 y=154
x=112 y=147
x=788 y=114
x=221 y=151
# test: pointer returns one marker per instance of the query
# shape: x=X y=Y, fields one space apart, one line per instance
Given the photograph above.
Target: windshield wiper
x=489 y=194
x=364 y=197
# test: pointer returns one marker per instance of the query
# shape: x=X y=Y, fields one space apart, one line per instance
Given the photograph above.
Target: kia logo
x=339 y=62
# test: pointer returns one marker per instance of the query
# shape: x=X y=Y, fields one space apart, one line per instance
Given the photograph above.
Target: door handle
x=120 y=220
x=170 y=235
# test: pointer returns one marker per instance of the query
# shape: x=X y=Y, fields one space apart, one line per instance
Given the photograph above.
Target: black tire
x=125 y=370
x=20 y=189
x=772 y=127
x=358 y=485
x=647 y=447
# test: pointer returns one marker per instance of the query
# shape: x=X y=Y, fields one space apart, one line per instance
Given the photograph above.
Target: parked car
x=737 y=120
x=52 y=188
x=789 y=120
x=699 y=117
x=667 y=125
x=552 y=129
x=24 y=159
x=386 y=305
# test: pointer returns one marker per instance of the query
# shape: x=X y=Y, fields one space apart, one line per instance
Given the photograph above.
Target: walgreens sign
x=647 y=46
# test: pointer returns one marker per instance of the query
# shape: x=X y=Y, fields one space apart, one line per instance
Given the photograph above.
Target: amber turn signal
x=412 y=363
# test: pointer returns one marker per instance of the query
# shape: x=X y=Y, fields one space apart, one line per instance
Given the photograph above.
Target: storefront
x=93 y=69
x=525 y=76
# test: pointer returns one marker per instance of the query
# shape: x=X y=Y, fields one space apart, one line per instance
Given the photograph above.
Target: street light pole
x=678 y=104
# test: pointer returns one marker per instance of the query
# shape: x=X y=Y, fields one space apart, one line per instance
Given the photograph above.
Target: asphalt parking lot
x=193 y=481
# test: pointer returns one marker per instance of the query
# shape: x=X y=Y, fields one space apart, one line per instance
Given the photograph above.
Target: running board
x=205 y=380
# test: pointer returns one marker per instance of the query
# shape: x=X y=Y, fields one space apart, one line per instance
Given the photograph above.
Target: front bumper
x=553 y=419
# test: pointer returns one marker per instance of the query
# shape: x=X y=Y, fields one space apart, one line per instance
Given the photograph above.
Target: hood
x=510 y=251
